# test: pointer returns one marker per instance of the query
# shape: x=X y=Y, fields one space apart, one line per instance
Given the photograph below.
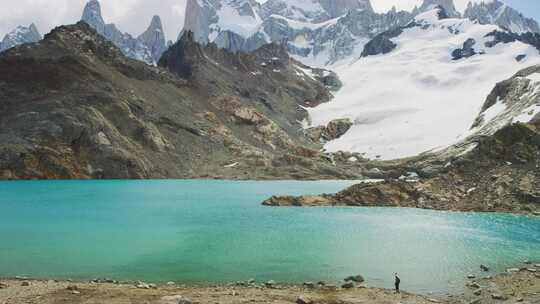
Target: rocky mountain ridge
x=148 y=47
x=74 y=106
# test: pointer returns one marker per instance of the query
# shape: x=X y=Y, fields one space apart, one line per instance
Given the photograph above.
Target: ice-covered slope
x=426 y=91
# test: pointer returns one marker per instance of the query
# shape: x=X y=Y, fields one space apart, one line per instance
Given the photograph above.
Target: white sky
x=132 y=16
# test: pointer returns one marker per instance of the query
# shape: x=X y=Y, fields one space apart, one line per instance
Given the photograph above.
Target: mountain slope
x=436 y=72
x=73 y=106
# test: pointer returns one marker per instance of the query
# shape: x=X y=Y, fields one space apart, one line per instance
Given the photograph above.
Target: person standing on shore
x=397 y=282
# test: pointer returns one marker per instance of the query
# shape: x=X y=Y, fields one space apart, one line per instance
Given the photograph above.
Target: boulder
x=337 y=128
x=142 y=285
x=356 y=278
x=348 y=285
x=270 y=284
x=72 y=287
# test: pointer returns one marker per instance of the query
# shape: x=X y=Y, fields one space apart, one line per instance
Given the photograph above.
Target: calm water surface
x=217 y=231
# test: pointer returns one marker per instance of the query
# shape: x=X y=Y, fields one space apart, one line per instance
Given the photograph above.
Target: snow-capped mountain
x=148 y=47
x=421 y=86
x=20 y=35
x=321 y=32
x=496 y=12
x=317 y=31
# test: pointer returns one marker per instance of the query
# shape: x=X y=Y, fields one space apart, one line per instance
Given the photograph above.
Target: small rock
x=356 y=278
x=171 y=283
x=484 y=268
x=512 y=270
x=153 y=286
x=251 y=281
x=477 y=292
x=475 y=301
x=321 y=283
x=142 y=285
x=25 y=283
x=471 y=276
x=537 y=265
x=270 y=284
x=304 y=300
x=531 y=269
x=75 y=292
x=473 y=285
x=72 y=287
x=519 y=300
x=348 y=285
x=527 y=262
x=177 y=299
x=497 y=296
x=309 y=285
x=3 y=286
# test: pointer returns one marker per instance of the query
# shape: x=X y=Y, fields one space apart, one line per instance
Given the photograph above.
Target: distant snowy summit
x=148 y=47
x=322 y=32
x=20 y=35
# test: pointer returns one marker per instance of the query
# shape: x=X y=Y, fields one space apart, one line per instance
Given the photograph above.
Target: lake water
x=217 y=231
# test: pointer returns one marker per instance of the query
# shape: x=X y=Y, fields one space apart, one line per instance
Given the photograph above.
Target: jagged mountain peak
x=154 y=38
x=20 y=35
x=312 y=10
x=92 y=16
x=148 y=47
x=448 y=6
x=498 y=13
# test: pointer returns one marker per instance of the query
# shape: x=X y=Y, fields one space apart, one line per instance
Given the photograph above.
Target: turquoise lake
x=217 y=231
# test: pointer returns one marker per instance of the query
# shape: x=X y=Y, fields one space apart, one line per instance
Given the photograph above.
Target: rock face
x=466 y=51
x=498 y=13
x=20 y=35
x=148 y=47
x=513 y=100
x=73 y=106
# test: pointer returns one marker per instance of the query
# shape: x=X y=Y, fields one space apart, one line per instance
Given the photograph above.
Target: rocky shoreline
x=516 y=285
